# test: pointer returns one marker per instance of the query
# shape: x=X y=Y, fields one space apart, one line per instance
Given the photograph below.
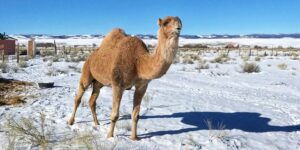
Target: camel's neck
x=151 y=66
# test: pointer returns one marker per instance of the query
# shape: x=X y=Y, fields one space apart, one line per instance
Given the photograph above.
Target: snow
x=258 y=110
x=88 y=40
x=270 y=42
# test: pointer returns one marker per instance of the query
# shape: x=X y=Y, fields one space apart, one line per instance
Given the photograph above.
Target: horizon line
x=152 y=34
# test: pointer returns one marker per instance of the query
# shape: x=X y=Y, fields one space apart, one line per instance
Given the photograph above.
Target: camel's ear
x=159 y=21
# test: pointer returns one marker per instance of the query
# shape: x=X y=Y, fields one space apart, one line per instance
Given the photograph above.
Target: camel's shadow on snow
x=245 y=121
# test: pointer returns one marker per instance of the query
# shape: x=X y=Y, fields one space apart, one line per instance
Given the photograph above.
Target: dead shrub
x=195 y=46
x=294 y=56
x=55 y=58
x=221 y=59
x=250 y=67
x=23 y=64
x=31 y=130
x=4 y=67
x=47 y=53
x=11 y=100
x=257 y=58
x=282 y=66
x=187 y=60
x=202 y=65
x=215 y=131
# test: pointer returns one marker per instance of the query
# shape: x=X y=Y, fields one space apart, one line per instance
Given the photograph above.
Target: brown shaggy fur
x=122 y=62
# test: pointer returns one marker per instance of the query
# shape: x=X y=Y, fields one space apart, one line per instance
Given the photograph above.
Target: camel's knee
x=135 y=118
x=114 y=117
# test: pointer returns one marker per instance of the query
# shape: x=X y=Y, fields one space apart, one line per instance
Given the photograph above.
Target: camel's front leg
x=77 y=102
x=138 y=96
x=117 y=96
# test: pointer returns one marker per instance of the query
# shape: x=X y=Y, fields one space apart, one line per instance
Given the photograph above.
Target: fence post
x=55 y=49
x=18 y=53
x=31 y=48
x=3 y=56
x=250 y=52
x=272 y=51
x=64 y=49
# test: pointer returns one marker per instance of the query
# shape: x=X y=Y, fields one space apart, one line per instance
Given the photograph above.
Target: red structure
x=9 y=46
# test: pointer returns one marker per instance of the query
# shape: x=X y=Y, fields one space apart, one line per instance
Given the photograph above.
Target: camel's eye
x=166 y=22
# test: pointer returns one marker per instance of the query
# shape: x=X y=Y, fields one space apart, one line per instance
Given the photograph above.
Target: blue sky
x=140 y=16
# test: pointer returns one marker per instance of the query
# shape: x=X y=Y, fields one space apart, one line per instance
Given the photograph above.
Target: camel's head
x=170 y=26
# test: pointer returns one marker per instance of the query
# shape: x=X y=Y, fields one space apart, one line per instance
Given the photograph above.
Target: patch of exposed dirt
x=10 y=91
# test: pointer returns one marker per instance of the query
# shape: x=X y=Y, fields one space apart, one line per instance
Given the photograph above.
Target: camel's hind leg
x=138 y=96
x=85 y=81
x=117 y=96
x=92 y=102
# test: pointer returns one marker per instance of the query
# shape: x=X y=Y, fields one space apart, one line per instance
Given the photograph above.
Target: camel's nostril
x=178 y=28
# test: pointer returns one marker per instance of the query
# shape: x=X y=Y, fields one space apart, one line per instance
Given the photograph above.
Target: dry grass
x=29 y=131
x=217 y=131
x=47 y=52
x=11 y=141
x=220 y=59
x=14 y=100
x=39 y=134
x=24 y=58
x=23 y=64
x=56 y=72
x=75 y=68
x=257 y=58
x=250 y=67
x=202 y=65
x=199 y=46
x=10 y=91
x=190 y=58
x=282 y=66
x=55 y=58
x=187 y=61
x=294 y=56
x=89 y=141
x=4 y=67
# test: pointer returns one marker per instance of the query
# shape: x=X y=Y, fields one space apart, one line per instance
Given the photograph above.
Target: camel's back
x=117 y=55
x=112 y=38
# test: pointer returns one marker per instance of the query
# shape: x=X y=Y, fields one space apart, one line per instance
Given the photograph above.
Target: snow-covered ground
x=270 y=42
x=245 y=110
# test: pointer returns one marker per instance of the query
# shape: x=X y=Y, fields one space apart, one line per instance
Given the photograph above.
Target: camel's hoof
x=110 y=136
x=134 y=138
x=71 y=121
x=97 y=123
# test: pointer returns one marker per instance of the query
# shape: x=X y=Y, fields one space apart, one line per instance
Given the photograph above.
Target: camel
x=122 y=62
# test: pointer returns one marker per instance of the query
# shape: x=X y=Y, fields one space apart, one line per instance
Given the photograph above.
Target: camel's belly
x=106 y=80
